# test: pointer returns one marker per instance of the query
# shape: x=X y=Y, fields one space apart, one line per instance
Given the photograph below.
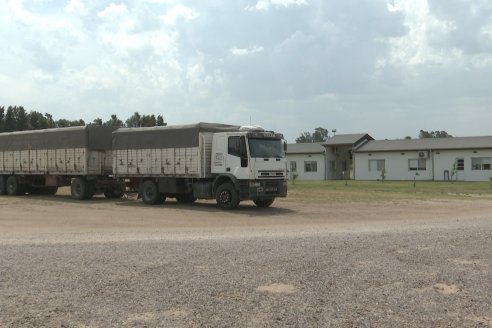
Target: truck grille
x=271 y=174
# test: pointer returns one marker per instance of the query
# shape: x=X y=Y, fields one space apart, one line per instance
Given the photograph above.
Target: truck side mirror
x=243 y=152
x=285 y=146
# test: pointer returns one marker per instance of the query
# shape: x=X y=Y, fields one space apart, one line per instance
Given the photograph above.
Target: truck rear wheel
x=263 y=202
x=13 y=186
x=150 y=193
x=227 y=197
x=3 y=188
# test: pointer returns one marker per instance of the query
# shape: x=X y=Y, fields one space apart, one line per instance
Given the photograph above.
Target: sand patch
x=482 y=321
x=446 y=289
x=466 y=262
x=277 y=289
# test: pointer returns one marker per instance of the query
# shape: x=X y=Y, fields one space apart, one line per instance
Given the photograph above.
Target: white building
x=307 y=160
x=329 y=160
x=462 y=158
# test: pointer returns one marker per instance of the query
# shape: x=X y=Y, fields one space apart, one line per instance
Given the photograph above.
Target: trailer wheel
x=81 y=189
x=3 y=187
x=227 y=197
x=263 y=202
x=13 y=186
x=150 y=194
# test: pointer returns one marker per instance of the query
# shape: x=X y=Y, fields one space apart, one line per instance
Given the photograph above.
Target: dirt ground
x=121 y=263
x=29 y=218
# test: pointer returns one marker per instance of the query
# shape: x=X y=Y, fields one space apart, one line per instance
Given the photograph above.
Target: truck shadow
x=247 y=208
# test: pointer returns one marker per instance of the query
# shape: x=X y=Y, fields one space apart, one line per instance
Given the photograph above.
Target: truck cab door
x=237 y=159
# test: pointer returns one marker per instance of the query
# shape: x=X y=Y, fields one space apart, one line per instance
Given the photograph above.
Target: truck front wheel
x=227 y=197
x=263 y=202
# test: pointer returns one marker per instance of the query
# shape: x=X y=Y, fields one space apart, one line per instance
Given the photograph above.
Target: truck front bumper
x=262 y=189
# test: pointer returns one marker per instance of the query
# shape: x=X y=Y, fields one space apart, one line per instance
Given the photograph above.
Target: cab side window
x=237 y=147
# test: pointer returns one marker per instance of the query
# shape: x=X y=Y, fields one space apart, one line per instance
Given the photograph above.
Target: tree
x=49 y=119
x=320 y=134
x=37 y=121
x=434 y=134
x=160 y=121
x=9 y=122
x=21 y=119
x=2 y=116
x=148 y=120
x=114 y=121
x=134 y=121
x=97 y=121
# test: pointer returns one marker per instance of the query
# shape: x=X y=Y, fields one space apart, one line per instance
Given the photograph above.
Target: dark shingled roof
x=305 y=148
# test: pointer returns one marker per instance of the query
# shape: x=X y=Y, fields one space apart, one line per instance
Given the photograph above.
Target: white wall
x=396 y=164
x=300 y=159
x=445 y=160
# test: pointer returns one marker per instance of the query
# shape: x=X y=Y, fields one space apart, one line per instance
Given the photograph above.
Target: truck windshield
x=265 y=148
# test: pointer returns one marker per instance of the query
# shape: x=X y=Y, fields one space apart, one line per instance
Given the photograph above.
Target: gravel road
x=419 y=273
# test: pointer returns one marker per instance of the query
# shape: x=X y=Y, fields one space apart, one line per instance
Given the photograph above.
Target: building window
x=310 y=166
x=417 y=164
x=460 y=164
x=481 y=163
x=376 y=165
x=293 y=166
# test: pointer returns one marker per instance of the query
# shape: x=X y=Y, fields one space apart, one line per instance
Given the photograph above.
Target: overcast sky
x=389 y=68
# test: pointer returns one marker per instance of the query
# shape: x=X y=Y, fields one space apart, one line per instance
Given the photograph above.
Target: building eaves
x=427 y=144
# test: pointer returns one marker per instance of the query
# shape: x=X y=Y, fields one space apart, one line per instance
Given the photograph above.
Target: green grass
x=370 y=191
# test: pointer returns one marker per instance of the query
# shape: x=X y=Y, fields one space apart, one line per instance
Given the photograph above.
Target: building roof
x=427 y=144
x=346 y=139
x=305 y=148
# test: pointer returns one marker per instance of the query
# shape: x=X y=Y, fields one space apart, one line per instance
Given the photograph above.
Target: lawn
x=369 y=191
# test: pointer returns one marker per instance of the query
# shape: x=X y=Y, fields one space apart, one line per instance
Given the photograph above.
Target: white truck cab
x=254 y=161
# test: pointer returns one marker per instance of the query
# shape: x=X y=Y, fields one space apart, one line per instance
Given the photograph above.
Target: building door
x=460 y=169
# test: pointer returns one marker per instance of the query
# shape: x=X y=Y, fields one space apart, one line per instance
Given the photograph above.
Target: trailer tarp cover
x=92 y=137
x=175 y=136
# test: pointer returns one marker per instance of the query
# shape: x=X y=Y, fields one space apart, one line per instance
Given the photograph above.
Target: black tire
x=80 y=189
x=150 y=194
x=227 y=197
x=264 y=202
x=3 y=185
x=13 y=186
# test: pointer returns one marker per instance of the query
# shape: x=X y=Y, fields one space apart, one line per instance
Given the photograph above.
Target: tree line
x=16 y=118
x=320 y=134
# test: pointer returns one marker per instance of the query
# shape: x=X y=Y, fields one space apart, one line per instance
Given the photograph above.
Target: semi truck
x=227 y=163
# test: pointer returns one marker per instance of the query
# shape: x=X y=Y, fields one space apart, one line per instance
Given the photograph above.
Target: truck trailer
x=228 y=163
x=40 y=161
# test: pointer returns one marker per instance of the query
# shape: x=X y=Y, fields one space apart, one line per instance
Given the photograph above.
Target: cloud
x=75 y=6
x=246 y=51
x=113 y=10
x=265 y=5
x=176 y=13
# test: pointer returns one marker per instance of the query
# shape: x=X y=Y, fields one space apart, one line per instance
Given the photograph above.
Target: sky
x=385 y=67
